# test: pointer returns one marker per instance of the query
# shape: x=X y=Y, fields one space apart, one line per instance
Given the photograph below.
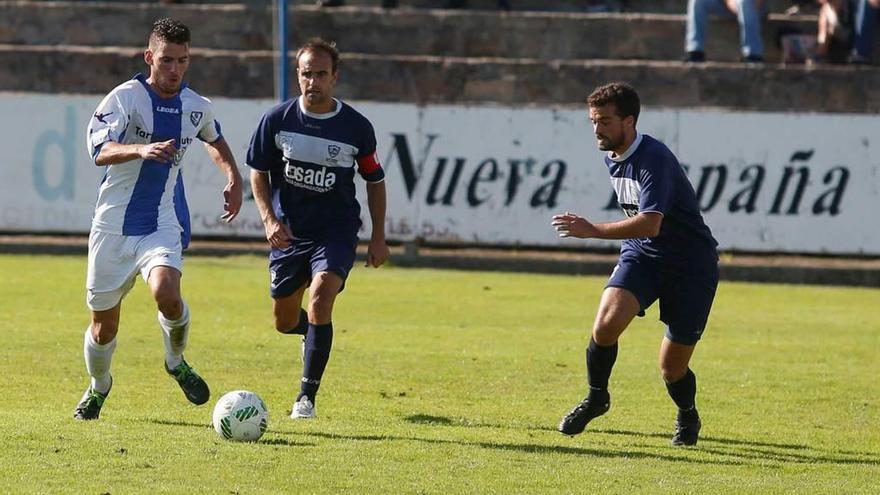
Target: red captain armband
x=368 y=164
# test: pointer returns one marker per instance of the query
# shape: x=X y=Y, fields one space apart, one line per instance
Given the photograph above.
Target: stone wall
x=418 y=55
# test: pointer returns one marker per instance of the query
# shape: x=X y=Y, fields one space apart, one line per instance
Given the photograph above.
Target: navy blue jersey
x=648 y=178
x=311 y=161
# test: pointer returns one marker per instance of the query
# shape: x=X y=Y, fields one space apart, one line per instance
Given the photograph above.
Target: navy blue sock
x=684 y=393
x=302 y=326
x=600 y=360
x=319 y=340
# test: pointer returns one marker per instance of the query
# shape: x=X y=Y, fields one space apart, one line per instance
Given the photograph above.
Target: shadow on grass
x=726 y=441
x=167 y=422
x=762 y=451
x=732 y=452
x=742 y=451
x=425 y=419
x=264 y=441
x=527 y=448
x=284 y=442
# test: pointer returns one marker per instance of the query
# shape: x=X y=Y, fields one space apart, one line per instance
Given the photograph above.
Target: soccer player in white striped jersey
x=139 y=133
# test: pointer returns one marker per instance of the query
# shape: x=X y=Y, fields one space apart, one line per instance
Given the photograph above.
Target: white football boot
x=303 y=409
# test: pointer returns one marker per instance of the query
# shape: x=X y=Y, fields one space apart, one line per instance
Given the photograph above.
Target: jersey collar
x=629 y=151
x=143 y=80
x=321 y=116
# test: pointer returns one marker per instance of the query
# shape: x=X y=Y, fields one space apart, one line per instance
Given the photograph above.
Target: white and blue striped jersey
x=140 y=196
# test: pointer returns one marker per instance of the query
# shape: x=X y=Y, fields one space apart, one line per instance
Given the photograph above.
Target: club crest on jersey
x=333 y=150
x=195 y=118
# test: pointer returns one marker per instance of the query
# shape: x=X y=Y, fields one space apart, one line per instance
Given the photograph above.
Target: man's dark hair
x=320 y=45
x=170 y=31
x=621 y=95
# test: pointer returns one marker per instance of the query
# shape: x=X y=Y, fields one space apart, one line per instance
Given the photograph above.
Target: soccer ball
x=241 y=416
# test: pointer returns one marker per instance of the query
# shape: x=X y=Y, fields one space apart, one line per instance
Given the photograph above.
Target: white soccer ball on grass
x=241 y=416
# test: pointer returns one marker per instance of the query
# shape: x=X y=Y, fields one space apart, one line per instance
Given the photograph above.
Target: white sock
x=175 y=334
x=98 y=358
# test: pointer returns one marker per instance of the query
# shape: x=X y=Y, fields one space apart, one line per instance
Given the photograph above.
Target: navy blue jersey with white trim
x=311 y=160
x=648 y=178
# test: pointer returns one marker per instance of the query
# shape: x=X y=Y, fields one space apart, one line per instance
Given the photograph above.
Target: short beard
x=609 y=145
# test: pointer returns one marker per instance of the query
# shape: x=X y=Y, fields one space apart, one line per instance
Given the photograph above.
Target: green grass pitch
x=439 y=382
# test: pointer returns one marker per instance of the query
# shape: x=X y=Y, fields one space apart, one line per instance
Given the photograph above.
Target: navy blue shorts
x=685 y=293
x=291 y=268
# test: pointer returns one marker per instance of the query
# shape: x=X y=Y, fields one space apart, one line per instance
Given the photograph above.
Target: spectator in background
x=865 y=21
x=748 y=14
x=835 y=31
x=846 y=31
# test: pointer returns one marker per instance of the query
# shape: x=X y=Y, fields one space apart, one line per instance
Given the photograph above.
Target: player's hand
x=278 y=234
x=571 y=225
x=231 y=200
x=377 y=253
x=162 y=152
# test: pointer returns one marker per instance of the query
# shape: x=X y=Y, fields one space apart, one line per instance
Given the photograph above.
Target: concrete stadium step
x=400 y=32
x=645 y=6
x=427 y=79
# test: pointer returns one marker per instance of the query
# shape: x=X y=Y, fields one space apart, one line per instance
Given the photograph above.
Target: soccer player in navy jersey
x=303 y=156
x=668 y=254
x=139 y=133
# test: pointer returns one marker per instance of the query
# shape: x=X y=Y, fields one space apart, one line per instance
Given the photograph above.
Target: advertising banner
x=492 y=175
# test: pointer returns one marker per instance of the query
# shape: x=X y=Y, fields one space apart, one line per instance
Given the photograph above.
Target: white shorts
x=115 y=260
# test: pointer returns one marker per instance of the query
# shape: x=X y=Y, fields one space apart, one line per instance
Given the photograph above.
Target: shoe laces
x=94 y=397
x=581 y=407
x=183 y=372
x=682 y=427
x=304 y=405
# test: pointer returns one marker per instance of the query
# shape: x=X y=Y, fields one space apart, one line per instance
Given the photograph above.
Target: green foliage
x=439 y=382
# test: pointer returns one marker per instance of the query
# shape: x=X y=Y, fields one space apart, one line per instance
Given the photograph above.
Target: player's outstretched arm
x=222 y=156
x=642 y=225
x=377 y=251
x=278 y=234
x=570 y=225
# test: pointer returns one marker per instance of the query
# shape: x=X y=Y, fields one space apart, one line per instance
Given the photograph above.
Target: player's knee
x=604 y=339
x=320 y=309
x=284 y=324
x=672 y=372
x=104 y=332
x=170 y=305
x=606 y=331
